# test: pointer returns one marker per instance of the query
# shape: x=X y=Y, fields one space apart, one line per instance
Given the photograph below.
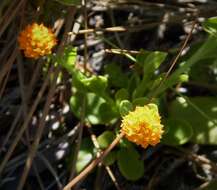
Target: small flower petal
x=143 y=126
x=36 y=40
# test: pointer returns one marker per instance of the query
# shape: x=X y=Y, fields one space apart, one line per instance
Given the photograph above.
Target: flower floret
x=142 y=126
x=36 y=40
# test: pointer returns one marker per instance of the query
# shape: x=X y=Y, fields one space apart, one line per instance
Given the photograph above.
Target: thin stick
x=11 y=15
x=121 y=51
x=135 y=28
x=51 y=169
x=83 y=107
x=96 y=145
x=174 y=62
x=4 y=83
x=111 y=175
x=94 y=163
x=40 y=182
x=79 y=139
x=85 y=36
x=9 y=64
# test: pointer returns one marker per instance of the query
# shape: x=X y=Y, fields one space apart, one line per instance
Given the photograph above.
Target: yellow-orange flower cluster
x=36 y=40
x=143 y=126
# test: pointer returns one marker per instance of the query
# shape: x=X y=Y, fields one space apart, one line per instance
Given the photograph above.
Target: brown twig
x=4 y=83
x=96 y=145
x=7 y=67
x=121 y=51
x=118 y=29
x=10 y=14
x=94 y=163
x=200 y=160
x=83 y=106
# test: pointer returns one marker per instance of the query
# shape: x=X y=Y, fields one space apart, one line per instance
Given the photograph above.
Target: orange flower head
x=143 y=126
x=36 y=40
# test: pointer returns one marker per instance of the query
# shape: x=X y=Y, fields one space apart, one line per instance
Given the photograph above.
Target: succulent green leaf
x=140 y=101
x=177 y=132
x=206 y=51
x=124 y=107
x=85 y=154
x=121 y=94
x=130 y=164
x=150 y=61
x=68 y=59
x=210 y=26
x=97 y=109
x=105 y=139
x=201 y=114
x=116 y=76
x=96 y=84
x=110 y=158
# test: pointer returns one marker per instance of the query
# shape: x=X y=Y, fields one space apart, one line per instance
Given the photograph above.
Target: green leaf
x=105 y=139
x=97 y=109
x=149 y=62
x=77 y=81
x=110 y=158
x=124 y=107
x=204 y=71
x=121 y=94
x=85 y=154
x=116 y=76
x=178 y=132
x=134 y=81
x=96 y=84
x=201 y=114
x=206 y=51
x=124 y=143
x=129 y=163
x=70 y=2
x=183 y=78
x=68 y=59
x=210 y=26
x=140 y=101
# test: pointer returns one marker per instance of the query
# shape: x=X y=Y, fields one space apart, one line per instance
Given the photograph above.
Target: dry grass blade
x=26 y=122
x=9 y=64
x=9 y=15
x=39 y=132
x=34 y=146
x=28 y=95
